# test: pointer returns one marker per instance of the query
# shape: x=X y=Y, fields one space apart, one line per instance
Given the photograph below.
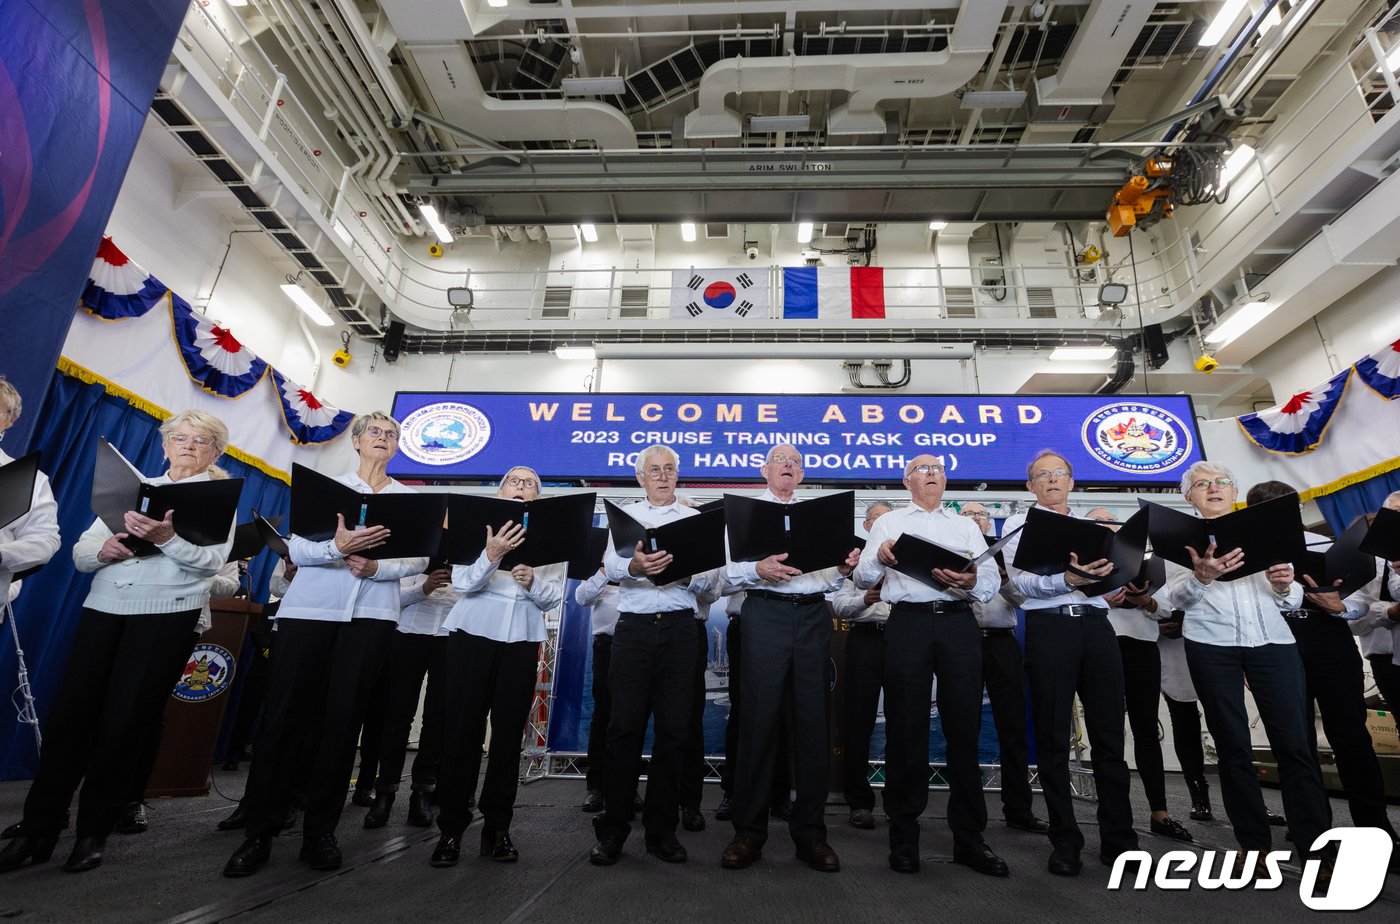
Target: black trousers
x=782 y=769
x=920 y=644
x=1064 y=655
x=1336 y=688
x=865 y=677
x=1142 y=690
x=150 y=744
x=1004 y=673
x=693 y=776
x=1275 y=677
x=652 y=673
x=1387 y=675
x=250 y=700
x=370 y=735
x=1186 y=738
x=119 y=673
x=484 y=678
x=602 y=713
x=411 y=659
x=787 y=647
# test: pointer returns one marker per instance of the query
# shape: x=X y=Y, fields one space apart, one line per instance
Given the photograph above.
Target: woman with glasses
x=1236 y=635
x=133 y=640
x=334 y=630
x=493 y=650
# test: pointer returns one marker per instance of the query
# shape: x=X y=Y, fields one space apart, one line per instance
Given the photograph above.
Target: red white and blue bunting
x=309 y=419
x=118 y=288
x=1298 y=425
x=213 y=357
x=1381 y=371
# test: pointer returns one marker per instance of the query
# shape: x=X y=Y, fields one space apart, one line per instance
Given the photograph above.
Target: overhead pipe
x=1217 y=73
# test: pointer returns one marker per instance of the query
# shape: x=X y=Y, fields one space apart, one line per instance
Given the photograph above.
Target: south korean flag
x=720 y=294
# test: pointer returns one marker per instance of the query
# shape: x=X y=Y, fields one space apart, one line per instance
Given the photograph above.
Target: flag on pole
x=737 y=295
x=833 y=292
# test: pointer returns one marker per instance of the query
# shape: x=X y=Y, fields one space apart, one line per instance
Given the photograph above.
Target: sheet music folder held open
x=204 y=510
x=696 y=543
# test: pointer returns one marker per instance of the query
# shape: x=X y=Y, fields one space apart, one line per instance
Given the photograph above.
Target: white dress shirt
x=743 y=575
x=1367 y=615
x=849 y=605
x=324 y=588
x=953 y=531
x=639 y=594
x=495 y=606
x=601 y=598
x=424 y=614
x=1243 y=613
x=32 y=539
x=1042 y=591
x=1000 y=611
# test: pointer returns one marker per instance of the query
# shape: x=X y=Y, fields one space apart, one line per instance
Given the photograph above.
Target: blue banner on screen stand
x=1116 y=440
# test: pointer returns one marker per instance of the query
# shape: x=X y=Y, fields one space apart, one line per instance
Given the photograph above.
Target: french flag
x=833 y=292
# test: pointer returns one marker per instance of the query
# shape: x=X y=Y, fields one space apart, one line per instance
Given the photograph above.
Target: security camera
x=1207 y=363
x=752 y=252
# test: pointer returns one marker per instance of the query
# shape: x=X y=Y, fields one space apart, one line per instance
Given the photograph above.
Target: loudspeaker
x=393 y=341
x=1155 y=346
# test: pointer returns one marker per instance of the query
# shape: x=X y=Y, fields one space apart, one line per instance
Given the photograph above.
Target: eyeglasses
x=377 y=432
x=784 y=460
x=1050 y=473
x=976 y=514
x=657 y=471
x=926 y=470
x=515 y=481
x=1107 y=521
x=182 y=439
x=1221 y=482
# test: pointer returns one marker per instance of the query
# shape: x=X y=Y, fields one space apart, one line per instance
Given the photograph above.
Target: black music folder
x=556 y=528
x=250 y=538
x=204 y=510
x=696 y=543
x=587 y=565
x=1050 y=538
x=1382 y=538
x=916 y=557
x=17 y=487
x=811 y=532
x=414 y=520
x=1343 y=561
x=1270 y=534
x=267 y=531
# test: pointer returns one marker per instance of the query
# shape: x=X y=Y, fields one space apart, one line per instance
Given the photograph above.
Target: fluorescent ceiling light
x=1223 y=21
x=688 y=231
x=497 y=3
x=937 y=225
x=430 y=215
x=575 y=352
x=1083 y=353
x=1239 y=321
x=1392 y=60
x=788 y=123
x=237 y=2
x=593 y=86
x=804 y=232
x=783 y=350
x=589 y=232
x=1238 y=159
x=307 y=304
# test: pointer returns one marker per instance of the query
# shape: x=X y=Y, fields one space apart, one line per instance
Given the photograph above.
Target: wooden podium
x=195 y=710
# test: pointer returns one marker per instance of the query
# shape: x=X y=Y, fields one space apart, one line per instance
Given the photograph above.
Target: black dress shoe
x=593 y=802
x=321 y=852
x=249 y=857
x=819 y=856
x=725 y=810
x=1277 y=821
x=497 y=846
x=26 y=849
x=863 y=819
x=1064 y=861
x=606 y=852
x=133 y=820
x=420 y=809
x=666 y=848
x=86 y=855
x=1170 y=827
x=904 y=861
x=982 y=860
x=691 y=819
x=741 y=853
x=448 y=849
x=363 y=797
x=1027 y=822
x=378 y=814
x=235 y=821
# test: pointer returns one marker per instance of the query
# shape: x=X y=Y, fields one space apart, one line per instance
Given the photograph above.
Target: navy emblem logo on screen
x=1138 y=438
x=445 y=433
x=207 y=674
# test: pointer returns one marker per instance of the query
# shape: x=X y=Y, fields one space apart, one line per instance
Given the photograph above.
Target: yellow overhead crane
x=1144 y=200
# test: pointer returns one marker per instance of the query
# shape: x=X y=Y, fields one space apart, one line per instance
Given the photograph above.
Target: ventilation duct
x=1100 y=46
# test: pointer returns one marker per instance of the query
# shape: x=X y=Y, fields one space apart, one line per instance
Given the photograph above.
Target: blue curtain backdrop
x=67 y=426
x=1342 y=507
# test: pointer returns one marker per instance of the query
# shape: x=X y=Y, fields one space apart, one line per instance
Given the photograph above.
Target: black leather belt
x=1307 y=611
x=865 y=627
x=1073 y=609
x=997 y=633
x=794 y=599
x=936 y=606
x=660 y=615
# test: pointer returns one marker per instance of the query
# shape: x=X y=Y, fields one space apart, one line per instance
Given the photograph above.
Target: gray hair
x=870 y=511
x=10 y=403
x=654 y=449
x=522 y=468
x=357 y=427
x=1045 y=453
x=1204 y=467
x=206 y=423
